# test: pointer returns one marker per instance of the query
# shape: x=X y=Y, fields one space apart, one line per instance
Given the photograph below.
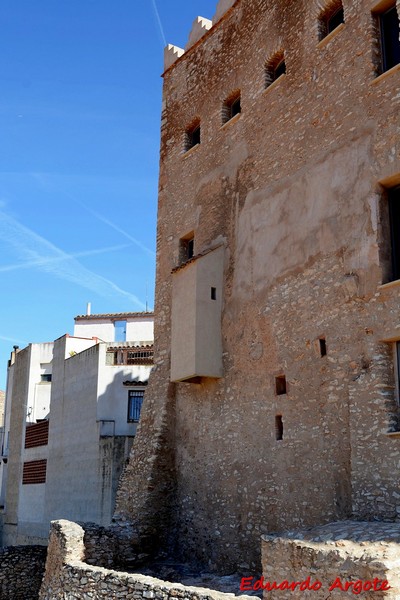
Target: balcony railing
x=140 y=355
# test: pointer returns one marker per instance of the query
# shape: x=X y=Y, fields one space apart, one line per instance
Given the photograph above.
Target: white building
x=72 y=409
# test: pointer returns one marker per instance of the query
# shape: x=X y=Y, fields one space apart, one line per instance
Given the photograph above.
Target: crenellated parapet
x=199 y=28
x=171 y=54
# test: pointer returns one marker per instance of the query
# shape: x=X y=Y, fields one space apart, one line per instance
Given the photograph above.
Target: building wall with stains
x=295 y=190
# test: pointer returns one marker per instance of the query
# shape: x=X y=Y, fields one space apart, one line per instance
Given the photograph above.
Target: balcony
x=131 y=355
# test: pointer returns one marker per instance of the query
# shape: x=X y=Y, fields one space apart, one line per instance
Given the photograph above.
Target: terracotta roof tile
x=116 y=316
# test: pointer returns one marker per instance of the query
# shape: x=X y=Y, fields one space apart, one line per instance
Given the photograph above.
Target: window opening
x=135 y=401
x=274 y=68
x=322 y=346
x=231 y=107
x=390 y=42
x=394 y=218
x=186 y=248
x=192 y=136
x=213 y=293
x=398 y=370
x=279 y=427
x=280 y=385
x=280 y=69
x=45 y=377
x=330 y=19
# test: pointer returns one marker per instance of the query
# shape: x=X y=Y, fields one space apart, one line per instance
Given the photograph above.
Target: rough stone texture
x=291 y=188
x=349 y=550
x=21 y=572
x=68 y=577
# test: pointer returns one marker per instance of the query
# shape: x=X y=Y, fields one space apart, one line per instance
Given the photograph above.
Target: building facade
x=72 y=409
x=275 y=394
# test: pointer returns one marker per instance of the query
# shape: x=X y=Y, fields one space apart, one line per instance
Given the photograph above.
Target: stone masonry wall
x=363 y=554
x=294 y=189
x=67 y=576
x=21 y=572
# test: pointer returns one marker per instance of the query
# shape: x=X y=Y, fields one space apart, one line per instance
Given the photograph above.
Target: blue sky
x=79 y=120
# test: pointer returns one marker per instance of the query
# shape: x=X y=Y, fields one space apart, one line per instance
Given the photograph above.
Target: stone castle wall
x=68 y=576
x=21 y=572
x=293 y=188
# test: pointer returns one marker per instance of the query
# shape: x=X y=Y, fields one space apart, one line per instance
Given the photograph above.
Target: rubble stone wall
x=339 y=560
x=21 y=572
x=67 y=576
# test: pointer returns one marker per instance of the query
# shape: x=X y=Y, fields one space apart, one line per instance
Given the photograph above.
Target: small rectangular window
x=135 y=401
x=394 y=218
x=322 y=347
x=335 y=20
x=389 y=26
x=45 y=377
x=186 y=248
x=231 y=107
x=213 y=293
x=274 y=68
x=397 y=348
x=192 y=136
x=280 y=385
x=331 y=18
x=278 y=427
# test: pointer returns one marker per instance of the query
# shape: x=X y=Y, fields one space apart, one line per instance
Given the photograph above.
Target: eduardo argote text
x=356 y=587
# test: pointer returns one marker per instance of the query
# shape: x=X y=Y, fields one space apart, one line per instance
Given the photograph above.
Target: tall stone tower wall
x=300 y=429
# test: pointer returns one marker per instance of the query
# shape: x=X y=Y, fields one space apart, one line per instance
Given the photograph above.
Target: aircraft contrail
x=33 y=248
x=159 y=22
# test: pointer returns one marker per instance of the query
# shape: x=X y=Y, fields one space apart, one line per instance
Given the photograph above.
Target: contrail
x=54 y=259
x=121 y=231
x=159 y=22
x=9 y=339
x=44 y=181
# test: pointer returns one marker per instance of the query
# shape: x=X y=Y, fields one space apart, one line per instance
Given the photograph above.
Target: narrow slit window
x=394 y=218
x=231 y=107
x=192 y=136
x=322 y=347
x=186 y=248
x=275 y=67
x=190 y=248
x=397 y=351
x=213 y=293
x=280 y=385
x=331 y=18
x=278 y=427
x=390 y=42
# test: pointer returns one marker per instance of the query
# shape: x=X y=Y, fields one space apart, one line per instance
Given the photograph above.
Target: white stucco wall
x=80 y=467
x=113 y=395
x=138 y=329
x=75 y=345
x=73 y=436
x=38 y=400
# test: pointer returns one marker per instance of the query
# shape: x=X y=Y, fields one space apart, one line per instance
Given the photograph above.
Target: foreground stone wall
x=363 y=555
x=67 y=576
x=21 y=572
